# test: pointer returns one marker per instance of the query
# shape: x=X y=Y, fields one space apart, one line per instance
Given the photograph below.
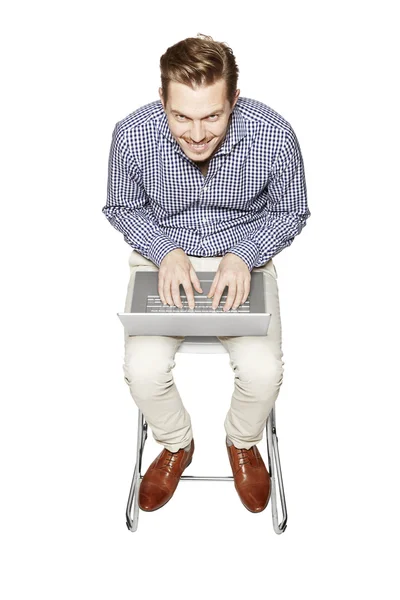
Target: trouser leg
x=258 y=367
x=148 y=365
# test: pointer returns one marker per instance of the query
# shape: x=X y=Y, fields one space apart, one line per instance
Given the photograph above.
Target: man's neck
x=203 y=166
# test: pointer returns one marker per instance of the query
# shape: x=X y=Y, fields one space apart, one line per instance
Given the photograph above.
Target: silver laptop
x=148 y=315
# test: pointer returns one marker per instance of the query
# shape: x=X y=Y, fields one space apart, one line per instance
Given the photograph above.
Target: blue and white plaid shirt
x=253 y=201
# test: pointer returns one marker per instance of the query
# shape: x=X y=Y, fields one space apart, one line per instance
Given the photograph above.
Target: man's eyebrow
x=214 y=112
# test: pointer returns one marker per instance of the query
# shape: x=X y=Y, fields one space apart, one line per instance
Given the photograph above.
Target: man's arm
x=128 y=208
x=287 y=195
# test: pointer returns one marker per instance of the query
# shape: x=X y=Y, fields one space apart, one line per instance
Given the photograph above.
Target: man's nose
x=197 y=132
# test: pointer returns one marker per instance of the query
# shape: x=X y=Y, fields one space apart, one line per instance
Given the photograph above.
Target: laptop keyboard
x=202 y=305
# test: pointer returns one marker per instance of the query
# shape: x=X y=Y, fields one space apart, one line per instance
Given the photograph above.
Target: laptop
x=148 y=315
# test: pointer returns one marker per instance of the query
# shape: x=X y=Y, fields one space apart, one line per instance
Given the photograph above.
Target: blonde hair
x=199 y=61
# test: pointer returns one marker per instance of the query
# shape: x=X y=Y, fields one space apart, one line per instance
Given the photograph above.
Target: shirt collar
x=236 y=131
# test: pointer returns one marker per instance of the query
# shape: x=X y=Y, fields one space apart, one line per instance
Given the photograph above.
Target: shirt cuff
x=247 y=251
x=160 y=247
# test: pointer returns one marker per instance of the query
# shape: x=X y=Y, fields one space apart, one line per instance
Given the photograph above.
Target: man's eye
x=213 y=117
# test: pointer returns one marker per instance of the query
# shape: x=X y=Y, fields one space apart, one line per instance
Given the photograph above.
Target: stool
x=210 y=345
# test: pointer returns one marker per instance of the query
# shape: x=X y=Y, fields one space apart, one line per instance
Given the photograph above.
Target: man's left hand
x=234 y=273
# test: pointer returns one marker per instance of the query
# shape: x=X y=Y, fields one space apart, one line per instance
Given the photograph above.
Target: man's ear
x=237 y=94
x=161 y=96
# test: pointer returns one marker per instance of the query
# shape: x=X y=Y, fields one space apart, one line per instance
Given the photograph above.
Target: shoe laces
x=243 y=455
x=169 y=459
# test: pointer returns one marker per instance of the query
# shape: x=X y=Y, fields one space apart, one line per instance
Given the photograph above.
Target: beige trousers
x=256 y=361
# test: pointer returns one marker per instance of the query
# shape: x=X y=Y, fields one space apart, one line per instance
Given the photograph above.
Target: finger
x=213 y=285
x=176 y=293
x=239 y=294
x=198 y=287
x=231 y=296
x=246 y=291
x=187 y=286
x=195 y=281
x=161 y=290
x=217 y=295
x=167 y=292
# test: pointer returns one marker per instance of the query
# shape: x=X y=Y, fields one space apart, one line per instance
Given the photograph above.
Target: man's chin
x=197 y=156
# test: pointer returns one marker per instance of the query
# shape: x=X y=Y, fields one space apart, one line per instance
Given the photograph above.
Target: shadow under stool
x=210 y=345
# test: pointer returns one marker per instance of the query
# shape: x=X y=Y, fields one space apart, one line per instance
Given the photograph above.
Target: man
x=205 y=180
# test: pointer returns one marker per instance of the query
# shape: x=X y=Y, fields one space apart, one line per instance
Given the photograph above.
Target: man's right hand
x=176 y=269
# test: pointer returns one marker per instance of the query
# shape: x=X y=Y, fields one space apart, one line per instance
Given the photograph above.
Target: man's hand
x=176 y=269
x=234 y=273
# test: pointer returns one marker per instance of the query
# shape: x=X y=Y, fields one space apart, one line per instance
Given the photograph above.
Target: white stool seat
x=197 y=344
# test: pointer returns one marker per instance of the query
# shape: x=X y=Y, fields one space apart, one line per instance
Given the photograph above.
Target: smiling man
x=201 y=133
x=205 y=180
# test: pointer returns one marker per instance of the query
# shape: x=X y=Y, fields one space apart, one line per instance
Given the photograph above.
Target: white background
x=71 y=70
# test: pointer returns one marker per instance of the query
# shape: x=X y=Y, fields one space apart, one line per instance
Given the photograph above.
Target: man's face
x=198 y=119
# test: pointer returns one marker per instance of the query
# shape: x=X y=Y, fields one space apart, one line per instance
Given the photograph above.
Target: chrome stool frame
x=210 y=345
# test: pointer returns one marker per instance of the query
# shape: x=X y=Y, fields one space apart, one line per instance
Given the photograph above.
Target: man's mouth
x=198 y=147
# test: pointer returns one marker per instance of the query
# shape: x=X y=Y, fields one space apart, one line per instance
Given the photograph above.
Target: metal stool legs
x=132 y=522
x=273 y=463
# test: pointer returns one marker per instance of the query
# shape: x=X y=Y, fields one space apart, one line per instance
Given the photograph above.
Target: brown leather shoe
x=252 y=480
x=162 y=477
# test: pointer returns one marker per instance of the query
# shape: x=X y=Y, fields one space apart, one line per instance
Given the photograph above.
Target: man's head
x=198 y=93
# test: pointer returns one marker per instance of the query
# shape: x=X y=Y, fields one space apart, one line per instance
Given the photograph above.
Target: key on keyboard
x=202 y=305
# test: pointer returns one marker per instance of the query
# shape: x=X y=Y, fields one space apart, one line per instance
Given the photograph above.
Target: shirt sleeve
x=128 y=208
x=288 y=209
